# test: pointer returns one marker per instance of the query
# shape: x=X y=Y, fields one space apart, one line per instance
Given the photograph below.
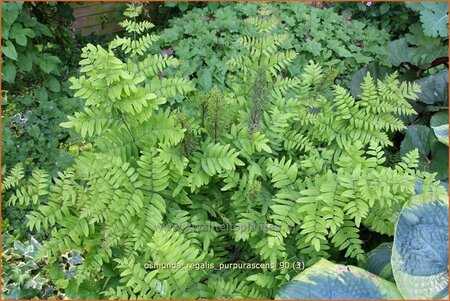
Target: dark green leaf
x=9 y=72
x=439 y=118
x=25 y=62
x=17 y=34
x=34 y=131
x=417 y=136
x=41 y=94
x=183 y=6
x=439 y=160
x=9 y=50
x=434 y=88
x=53 y=84
x=400 y=52
x=375 y=70
x=384 y=8
x=10 y=11
x=205 y=80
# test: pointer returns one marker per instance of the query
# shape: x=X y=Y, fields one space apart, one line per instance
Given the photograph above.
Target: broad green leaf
x=417 y=136
x=205 y=80
x=25 y=62
x=400 y=52
x=441 y=133
x=376 y=71
x=9 y=72
x=52 y=84
x=434 y=88
x=439 y=160
x=420 y=251
x=17 y=34
x=10 y=11
x=434 y=19
x=439 y=124
x=41 y=94
x=439 y=118
x=328 y=281
x=379 y=261
x=9 y=50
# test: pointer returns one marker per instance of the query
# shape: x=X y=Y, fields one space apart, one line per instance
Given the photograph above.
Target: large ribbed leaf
x=420 y=253
x=379 y=261
x=326 y=280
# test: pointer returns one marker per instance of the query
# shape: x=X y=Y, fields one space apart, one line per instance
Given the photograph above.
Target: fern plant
x=272 y=171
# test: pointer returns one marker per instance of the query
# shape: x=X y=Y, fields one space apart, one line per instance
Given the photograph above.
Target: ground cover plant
x=203 y=39
x=260 y=168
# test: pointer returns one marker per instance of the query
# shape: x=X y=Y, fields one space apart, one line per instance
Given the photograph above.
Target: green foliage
x=419 y=254
x=393 y=17
x=433 y=154
x=204 y=39
x=34 y=98
x=379 y=261
x=417 y=262
x=422 y=57
x=25 y=275
x=326 y=280
x=290 y=172
x=433 y=16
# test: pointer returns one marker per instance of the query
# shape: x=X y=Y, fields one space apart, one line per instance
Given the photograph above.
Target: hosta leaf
x=420 y=252
x=326 y=280
x=439 y=124
x=379 y=261
x=441 y=133
x=434 y=88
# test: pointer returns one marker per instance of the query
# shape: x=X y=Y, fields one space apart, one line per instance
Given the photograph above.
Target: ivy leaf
x=9 y=72
x=9 y=50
